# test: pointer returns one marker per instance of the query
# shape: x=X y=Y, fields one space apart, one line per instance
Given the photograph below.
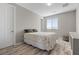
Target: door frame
x=14 y=40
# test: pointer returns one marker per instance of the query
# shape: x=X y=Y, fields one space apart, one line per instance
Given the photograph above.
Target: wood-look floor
x=61 y=48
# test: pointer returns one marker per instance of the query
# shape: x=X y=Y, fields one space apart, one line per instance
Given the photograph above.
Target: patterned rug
x=62 y=48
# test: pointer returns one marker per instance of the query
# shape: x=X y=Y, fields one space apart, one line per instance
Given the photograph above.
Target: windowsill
x=52 y=29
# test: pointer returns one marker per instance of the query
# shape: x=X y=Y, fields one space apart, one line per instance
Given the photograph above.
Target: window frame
x=52 y=27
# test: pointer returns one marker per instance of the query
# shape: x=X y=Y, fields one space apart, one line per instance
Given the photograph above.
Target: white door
x=6 y=25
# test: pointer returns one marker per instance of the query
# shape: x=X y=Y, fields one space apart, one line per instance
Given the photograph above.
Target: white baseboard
x=19 y=43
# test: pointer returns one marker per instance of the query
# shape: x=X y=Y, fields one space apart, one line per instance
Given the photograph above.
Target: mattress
x=42 y=40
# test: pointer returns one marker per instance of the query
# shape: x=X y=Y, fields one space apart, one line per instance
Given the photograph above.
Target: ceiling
x=44 y=10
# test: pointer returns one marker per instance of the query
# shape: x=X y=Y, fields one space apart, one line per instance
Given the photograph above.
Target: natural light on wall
x=52 y=23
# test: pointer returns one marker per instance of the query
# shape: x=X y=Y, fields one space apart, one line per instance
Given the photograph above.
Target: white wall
x=77 y=20
x=25 y=19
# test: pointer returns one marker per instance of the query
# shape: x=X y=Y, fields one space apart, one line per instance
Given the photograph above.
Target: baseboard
x=19 y=43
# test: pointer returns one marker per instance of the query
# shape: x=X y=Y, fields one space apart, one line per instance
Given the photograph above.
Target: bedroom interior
x=39 y=28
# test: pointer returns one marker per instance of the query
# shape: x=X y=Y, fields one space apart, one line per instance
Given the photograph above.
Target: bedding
x=42 y=40
x=30 y=30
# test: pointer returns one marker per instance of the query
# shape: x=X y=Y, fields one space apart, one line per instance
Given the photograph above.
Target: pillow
x=28 y=30
x=34 y=30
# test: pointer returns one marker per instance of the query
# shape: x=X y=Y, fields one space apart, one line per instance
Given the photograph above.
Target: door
x=6 y=25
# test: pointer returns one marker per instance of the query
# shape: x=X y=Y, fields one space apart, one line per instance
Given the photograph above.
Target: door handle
x=12 y=31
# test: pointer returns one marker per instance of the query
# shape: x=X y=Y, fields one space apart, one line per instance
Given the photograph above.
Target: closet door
x=6 y=26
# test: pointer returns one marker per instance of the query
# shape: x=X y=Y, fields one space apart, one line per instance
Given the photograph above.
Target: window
x=52 y=23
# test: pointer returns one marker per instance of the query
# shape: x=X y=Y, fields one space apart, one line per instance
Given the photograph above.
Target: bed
x=42 y=40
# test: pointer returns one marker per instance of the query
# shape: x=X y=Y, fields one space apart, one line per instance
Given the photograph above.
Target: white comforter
x=42 y=40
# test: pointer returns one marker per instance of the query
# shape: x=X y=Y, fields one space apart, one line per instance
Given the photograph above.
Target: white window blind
x=52 y=23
